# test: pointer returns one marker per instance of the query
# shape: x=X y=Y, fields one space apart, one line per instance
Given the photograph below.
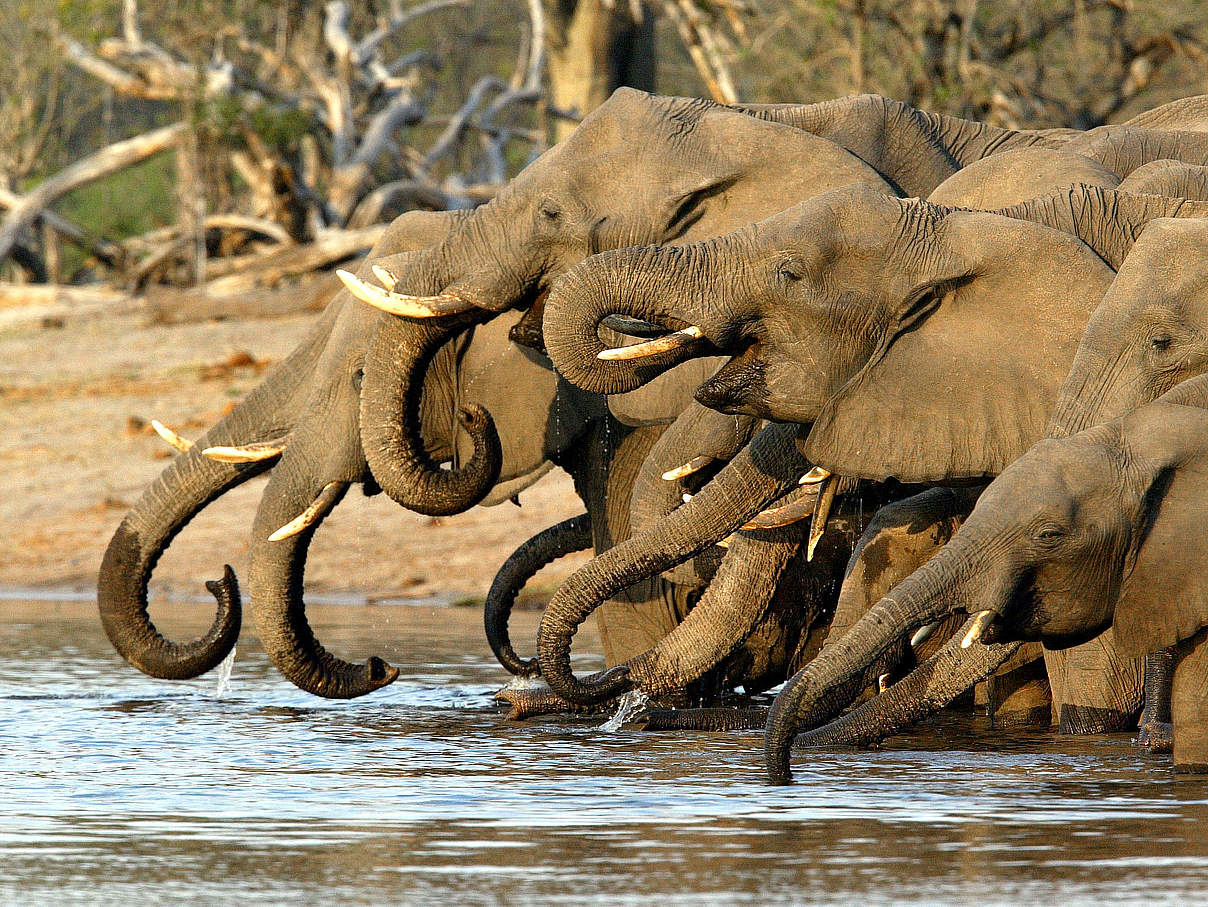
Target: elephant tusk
x=247 y=453
x=675 y=341
x=181 y=444
x=385 y=278
x=696 y=464
x=978 y=627
x=327 y=496
x=634 y=327
x=814 y=476
x=922 y=634
x=724 y=543
x=398 y=304
x=826 y=497
x=685 y=497
x=793 y=512
x=882 y=683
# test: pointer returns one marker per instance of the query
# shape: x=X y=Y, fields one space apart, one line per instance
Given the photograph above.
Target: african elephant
x=838 y=312
x=1096 y=529
x=302 y=423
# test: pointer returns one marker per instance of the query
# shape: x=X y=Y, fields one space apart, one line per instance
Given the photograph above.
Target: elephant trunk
x=929 y=687
x=665 y=285
x=767 y=468
x=395 y=365
x=574 y=534
x=736 y=600
x=278 y=569
x=183 y=490
x=931 y=592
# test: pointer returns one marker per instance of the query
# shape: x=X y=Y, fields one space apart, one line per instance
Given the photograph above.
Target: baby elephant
x=1101 y=528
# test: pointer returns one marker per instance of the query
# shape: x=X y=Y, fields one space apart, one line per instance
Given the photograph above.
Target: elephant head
x=879 y=320
x=1097 y=529
x=1149 y=333
x=639 y=169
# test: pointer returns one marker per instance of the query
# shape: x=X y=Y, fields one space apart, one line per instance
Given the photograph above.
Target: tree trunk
x=595 y=48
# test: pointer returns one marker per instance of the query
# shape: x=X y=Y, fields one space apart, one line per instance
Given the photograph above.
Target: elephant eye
x=1049 y=534
x=549 y=211
x=790 y=272
x=357 y=377
x=1161 y=343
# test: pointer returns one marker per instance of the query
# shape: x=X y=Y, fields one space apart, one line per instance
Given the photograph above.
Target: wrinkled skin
x=1097 y=529
x=855 y=307
x=312 y=398
x=639 y=169
x=1149 y=333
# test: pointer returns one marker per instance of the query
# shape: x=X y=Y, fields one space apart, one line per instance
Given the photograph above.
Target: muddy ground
x=77 y=393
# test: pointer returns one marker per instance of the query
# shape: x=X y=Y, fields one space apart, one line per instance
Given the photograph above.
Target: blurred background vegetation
x=310 y=120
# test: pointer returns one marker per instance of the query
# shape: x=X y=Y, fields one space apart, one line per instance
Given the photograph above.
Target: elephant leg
x=1157 y=732
x=1019 y=694
x=1095 y=688
x=1189 y=705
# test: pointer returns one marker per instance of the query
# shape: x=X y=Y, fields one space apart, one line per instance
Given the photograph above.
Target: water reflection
x=119 y=788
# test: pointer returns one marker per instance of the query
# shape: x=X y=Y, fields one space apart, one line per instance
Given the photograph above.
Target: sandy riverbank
x=76 y=450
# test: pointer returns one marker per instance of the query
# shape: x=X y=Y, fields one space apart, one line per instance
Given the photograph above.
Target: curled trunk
x=762 y=472
x=638 y=283
x=183 y=490
x=278 y=569
x=391 y=434
x=574 y=534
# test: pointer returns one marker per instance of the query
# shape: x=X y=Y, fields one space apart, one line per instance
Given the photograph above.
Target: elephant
x=703 y=170
x=309 y=404
x=831 y=309
x=1088 y=531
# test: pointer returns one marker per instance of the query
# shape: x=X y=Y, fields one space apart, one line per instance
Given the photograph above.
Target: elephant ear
x=1164 y=598
x=969 y=372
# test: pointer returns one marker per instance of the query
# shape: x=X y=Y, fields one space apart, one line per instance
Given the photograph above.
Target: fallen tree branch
x=108 y=160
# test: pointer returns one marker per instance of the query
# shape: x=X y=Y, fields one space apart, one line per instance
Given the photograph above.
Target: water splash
x=224 y=675
x=526 y=683
x=629 y=705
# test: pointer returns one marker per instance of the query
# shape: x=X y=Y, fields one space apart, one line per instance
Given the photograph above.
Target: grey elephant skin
x=308 y=408
x=1097 y=529
x=878 y=320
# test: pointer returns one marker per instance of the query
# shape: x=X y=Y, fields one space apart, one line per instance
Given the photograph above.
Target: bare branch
x=108 y=160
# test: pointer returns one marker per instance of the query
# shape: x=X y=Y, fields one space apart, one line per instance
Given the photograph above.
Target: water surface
x=116 y=788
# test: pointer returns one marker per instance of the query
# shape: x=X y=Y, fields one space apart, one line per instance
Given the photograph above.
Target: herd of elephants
x=893 y=405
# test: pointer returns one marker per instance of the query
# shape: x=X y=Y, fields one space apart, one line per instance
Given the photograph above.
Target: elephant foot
x=718 y=719
x=1089 y=719
x=530 y=702
x=1156 y=736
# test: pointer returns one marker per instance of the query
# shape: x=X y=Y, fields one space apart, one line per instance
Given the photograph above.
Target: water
x=116 y=788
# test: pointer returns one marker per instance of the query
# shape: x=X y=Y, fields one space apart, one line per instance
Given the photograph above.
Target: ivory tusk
x=814 y=476
x=980 y=623
x=634 y=327
x=794 y=511
x=685 y=497
x=826 y=497
x=724 y=543
x=247 y=453
x=385 y=278
x=398 y=304
x=313 y=513
x=922 y=634
x=665 y=344
x=181 y=444
x=882 y=683
x=696 y=464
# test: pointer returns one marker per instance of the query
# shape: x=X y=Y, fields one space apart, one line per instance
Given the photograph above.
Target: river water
x=116 y=788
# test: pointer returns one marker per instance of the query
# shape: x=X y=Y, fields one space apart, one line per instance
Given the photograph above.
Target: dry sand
x=76 y=394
